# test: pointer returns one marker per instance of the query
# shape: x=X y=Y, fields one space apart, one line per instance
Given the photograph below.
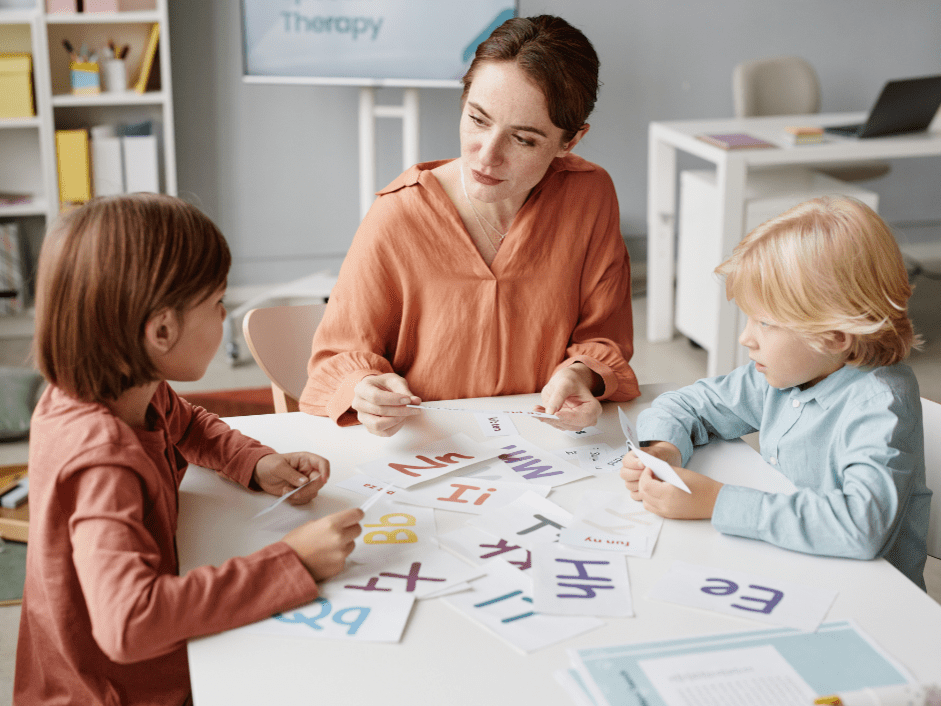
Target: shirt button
x=795 y=403
x=773 y=461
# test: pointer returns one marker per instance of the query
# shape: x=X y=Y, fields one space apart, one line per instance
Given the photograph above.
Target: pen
x=901 y=695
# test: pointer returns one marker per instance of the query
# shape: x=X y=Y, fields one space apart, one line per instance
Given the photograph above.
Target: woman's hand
x=380 y=400
x=278 y=474
x=568 y=395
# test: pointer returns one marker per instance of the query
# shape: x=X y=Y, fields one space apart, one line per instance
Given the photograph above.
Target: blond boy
x=826 y=292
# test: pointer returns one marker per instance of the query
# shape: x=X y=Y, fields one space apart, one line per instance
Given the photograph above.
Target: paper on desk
x=541 y=415
x=753 y=675
x=612 y=521
x=569 y=581
x=663 y=470
x=284 y=497
x=408 y=468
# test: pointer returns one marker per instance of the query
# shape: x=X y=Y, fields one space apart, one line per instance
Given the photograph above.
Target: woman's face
x=507 y=138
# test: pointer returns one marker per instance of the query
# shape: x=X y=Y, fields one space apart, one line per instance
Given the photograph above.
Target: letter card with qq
x=745 y=595
x=342 y=615
x=408 y=468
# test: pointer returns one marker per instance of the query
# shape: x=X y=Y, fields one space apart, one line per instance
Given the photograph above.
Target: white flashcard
x=751 y=675
x=744 y=595
x=481 y=547
x=612 y=521
x=493 y=470
x=587 y=431
x=391 y=528
x=502 y=602
x=529 y=520
x=535 y=465
x=429 y=408
x=570 y=581
x=406 y=469
x=420 y=572
x=589 y=458
x=499 y=424
x=344 y=615
x=663 y=470
x=467 y=494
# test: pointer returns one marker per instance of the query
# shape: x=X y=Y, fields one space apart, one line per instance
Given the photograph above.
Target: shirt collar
x=829 y=389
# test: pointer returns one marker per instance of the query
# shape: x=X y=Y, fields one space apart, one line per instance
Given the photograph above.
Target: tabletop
x=445 y=657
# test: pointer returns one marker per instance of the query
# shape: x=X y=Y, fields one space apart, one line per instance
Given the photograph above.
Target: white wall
x=277 y=166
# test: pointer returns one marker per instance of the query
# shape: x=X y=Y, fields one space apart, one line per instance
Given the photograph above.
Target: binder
x=140 y=163
x=107 y=164
x=147 y=60
x=73 y=165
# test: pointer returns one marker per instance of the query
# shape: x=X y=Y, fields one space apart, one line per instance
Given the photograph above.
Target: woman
x=501 y=272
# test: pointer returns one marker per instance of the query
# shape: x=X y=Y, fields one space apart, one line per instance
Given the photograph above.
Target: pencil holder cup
x=114 y=75
x=85 y=77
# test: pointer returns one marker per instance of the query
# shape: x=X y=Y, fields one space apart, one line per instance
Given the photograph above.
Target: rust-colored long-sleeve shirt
x=415 y=297
x=105 y=615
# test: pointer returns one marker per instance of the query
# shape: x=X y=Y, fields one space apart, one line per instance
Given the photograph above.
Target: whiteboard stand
x=368 y=112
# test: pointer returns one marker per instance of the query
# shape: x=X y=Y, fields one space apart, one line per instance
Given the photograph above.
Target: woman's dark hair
x=556 y=56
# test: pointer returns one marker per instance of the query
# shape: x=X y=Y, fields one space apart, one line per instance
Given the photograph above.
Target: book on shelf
x=11 y=270
x=734 y=140
x=73 y=164
x=149 y=68
x=9 y=198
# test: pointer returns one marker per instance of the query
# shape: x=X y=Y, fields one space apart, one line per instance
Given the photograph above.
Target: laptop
x=905 y=105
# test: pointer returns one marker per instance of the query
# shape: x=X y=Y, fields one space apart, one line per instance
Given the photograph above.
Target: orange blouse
x=415 y=297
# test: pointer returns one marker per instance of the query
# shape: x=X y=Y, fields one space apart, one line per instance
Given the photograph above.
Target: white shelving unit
x=27 y=145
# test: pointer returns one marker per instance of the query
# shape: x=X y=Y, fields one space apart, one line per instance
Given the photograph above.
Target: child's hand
x=278 y=474
x=632 y=467
x=669 y=501
x=324 y=544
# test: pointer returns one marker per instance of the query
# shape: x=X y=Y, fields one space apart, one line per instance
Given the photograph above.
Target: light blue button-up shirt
x=853 y=444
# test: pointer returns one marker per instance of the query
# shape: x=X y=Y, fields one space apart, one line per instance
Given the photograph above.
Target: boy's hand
x=278 y=474
x=669 y=501
x=632 y=467
x=324 y=544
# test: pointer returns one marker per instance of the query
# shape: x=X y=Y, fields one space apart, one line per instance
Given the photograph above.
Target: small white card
x=536 y=466
x=612 y=521
x=496 y=424
x=587 y=431
x=663 y=470
x=481 y=547
x=744 y=595
x=406 y=469
x=570 y=581
x=502 y=602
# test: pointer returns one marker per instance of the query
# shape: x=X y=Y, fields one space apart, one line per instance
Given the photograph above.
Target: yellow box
x=72 y=158
x=16 y=86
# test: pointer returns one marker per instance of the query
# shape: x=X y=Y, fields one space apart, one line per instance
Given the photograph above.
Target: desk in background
x=443 y=657
x=732 y=167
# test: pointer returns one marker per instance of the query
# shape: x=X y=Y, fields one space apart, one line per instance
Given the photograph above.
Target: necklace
x=479 y=217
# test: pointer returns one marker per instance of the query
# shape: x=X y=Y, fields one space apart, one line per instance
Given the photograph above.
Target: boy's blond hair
x=105 y=269
x=829 y=264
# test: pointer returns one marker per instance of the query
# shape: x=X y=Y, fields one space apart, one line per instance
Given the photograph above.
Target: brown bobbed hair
x=827 y=265
x=555 y=56
x=104 y=270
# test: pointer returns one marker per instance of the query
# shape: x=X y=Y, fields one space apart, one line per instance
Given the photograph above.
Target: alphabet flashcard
x=535 y=465
x=391 y=528
x=744 y=595
x=496 y=424
x=590 y=458
x=408 y=468
x=529 y=520
x=502 y=602
x=480 y=547
x=570 y=581
x=612 y=521
x=470 y=495
x=343 y=615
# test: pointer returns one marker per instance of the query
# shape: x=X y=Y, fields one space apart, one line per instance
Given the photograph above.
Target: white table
x=444 y=658
x=732 y=167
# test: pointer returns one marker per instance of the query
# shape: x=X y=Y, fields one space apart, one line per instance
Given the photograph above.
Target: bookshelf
x=28 y=145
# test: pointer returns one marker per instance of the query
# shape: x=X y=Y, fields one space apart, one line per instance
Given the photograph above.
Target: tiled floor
x=675 y=361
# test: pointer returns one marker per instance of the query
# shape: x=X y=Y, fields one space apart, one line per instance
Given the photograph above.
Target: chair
x=788 y=85
x=279 y=338
x=931 y=412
